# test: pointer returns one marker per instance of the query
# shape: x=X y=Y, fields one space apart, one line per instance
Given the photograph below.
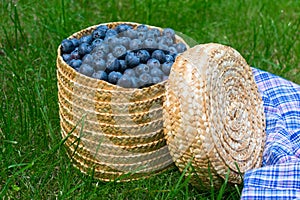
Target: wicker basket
x=214 y=116
x=109 y=129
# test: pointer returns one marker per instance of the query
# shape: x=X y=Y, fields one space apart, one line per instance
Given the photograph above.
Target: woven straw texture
x=214 y=117
x=110 y=129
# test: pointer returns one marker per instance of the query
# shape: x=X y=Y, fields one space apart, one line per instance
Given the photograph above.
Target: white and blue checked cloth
x=279 y=176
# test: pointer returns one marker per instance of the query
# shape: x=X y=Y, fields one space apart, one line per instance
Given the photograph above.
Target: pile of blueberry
x=125 y=56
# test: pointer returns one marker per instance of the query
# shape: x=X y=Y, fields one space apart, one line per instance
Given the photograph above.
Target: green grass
x=33 y=161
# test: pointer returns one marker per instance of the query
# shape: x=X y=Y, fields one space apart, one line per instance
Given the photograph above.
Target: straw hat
x=214 y=116
x=109 y=130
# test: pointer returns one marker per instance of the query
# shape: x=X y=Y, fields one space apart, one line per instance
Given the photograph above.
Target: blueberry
x=180 y=47
x=166 y=67
x=66 y=57
x=96 y=42
x=125 y=81
x=88 y=59
x=86 y=39
x=99 y=54
x=135 y=83
x=159 y=55
x=172 y=50
x=142 y=28
x=67 y=46
x=98 y=33
x=119 y=51
x=99 y=64
x=130 y=72
x=75 y=54
x=153 y=63
x=135 y=44
x=112 y=65
x=165 y=40
x=125 y=41
x=101 y=75
x=111 y=33
x=101 y=47
x=75 y=63
x=84 y=48
x=153 y=33
x=156 y=79
x=122 y=28
x=170 y=33
x=75 y=42
x=86 y=70
x=122 y=66
x=145 y=80
x=142 y=35
x=102 y=27
x=114 y=76
x=131 y=33
x=150 y=43
x=156 y=72
x=131 y=59
x=142 y=68
x=169 y=58
x=143 y=54
x=111 y=42
x=110 y=57
x=163 y=47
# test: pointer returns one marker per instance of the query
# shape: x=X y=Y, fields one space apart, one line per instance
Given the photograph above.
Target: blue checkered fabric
x=279 y=176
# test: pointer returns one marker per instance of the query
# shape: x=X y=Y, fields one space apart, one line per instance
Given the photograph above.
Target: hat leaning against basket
x=214 y=116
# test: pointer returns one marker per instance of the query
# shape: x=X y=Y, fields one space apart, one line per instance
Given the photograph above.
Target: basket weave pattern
x=214 y=115
x=110 y=129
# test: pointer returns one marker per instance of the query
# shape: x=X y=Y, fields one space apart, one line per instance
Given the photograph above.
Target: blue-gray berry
x=125 y=81
x=143 y=54
x=135 y=44
x=101 y=75
x=131 y=59
x=166 y=67
x=119 y=51
x=114 y=76
x=150 y=43
x=156 y=72
x=86 y=70
x=159 y=55
x=84 y=48
x=86 y=39
x=145 y=80
x=67 y=46
x=142 y=68
x=153 y=63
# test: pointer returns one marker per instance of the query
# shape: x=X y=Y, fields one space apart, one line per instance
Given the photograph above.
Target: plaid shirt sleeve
x=279 y=177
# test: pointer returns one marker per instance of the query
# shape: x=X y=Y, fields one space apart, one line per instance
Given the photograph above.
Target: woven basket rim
x=114 y=87
x=113 y=103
